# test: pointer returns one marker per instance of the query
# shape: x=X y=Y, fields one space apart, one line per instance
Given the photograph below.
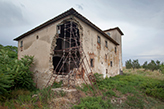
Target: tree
x=152 y=65
x=158 y=64
x=162 y=68
x=145 y=65
x=135 y=64
x=128 y=64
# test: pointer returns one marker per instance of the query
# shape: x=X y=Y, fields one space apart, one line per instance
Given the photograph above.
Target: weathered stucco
x=41 y=44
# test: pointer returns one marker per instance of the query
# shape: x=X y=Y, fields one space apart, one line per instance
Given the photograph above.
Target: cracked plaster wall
x=42 y=50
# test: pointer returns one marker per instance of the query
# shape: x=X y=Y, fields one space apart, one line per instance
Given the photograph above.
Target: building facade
x=49 y=41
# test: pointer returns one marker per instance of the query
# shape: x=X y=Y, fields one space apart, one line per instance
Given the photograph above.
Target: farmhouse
x=70 y=43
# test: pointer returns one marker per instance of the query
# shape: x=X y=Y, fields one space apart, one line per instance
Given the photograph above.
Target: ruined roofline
x=65 y=14
x=117 y=28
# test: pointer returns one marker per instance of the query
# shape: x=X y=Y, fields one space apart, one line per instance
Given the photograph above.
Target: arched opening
x=66 y=53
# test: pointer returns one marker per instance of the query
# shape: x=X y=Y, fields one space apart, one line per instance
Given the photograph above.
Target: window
x=37 y=37
x=115 y=49
x=98 y=39
x=106 y=71
x=106 y=44
x=21 y=44
x=91 y=62
x=108 y=34
x=105 y=57
x=111 y=63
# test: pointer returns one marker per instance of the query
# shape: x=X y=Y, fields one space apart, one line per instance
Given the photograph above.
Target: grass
x=135 y=89
x=24 y=99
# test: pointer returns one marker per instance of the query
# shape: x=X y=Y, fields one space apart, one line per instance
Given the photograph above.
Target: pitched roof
x=117 y=28
x=65 y=14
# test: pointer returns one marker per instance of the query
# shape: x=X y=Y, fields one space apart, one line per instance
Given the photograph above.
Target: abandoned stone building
x=61 y=44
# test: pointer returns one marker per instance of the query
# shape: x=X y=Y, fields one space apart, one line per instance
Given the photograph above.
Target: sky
x=141 y=21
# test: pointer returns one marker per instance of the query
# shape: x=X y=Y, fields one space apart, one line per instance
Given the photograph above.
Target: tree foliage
x=14 y=73
x=152 y=65
x=135 y=64
x=132 y=64
x=128 y=64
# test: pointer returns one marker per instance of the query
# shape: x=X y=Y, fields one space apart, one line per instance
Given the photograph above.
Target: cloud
x=79 y=6
x=10 y=15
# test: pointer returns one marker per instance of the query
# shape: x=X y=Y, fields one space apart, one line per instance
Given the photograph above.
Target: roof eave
x=117 y=28
x=65 y=14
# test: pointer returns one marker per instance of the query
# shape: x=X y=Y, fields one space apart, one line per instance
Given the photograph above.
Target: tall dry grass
x=148 y=73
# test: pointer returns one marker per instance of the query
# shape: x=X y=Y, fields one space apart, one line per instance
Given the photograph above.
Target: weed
x=135 y=101
x=93 y=103
x=109 y=93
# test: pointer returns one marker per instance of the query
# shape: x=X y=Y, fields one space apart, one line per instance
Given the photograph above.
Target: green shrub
x=14 y=73
x=94 y=103
x=57 y=85
x=109 y=93
x=162 y=68
x=135 y=102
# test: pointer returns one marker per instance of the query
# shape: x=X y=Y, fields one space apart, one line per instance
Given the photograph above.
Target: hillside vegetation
x=137 y=88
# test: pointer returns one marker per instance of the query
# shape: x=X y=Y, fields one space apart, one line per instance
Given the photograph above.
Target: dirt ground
x=65 y=99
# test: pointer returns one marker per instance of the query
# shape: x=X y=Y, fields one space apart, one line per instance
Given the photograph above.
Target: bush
x=14 y=73
x=93 y=103
x=162 y=68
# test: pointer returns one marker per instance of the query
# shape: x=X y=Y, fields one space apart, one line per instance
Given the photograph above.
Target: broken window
x=91 y=62
x=98 y=39
x=106 y=44
x=66 y=53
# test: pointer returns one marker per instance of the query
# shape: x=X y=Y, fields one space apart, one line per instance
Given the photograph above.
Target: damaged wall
x=41 y=44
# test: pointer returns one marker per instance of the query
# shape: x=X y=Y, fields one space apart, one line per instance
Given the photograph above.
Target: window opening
x=37 y=37
x=91 y=62
x=111 y=63
x=105 y=57
x=106 y=44
x=108 y=34
x=67 y=44
x=21 y=45
x=98 y=39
